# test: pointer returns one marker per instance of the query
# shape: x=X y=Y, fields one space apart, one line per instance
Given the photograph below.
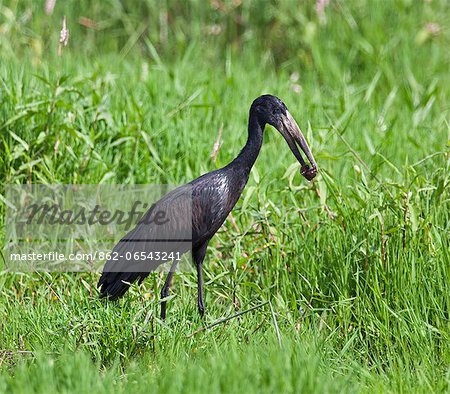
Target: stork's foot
x=163 y=310
x=198 y=255
x=201 y=309
x=165 y=290
x=200 y=297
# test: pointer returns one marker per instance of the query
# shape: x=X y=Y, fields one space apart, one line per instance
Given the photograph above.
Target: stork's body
x=206 y=201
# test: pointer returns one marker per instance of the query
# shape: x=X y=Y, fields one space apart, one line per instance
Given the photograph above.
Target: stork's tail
x=114 y=285
x=120 y=273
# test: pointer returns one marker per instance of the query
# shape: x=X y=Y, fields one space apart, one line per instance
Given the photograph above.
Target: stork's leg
x=198 y=254
x=165 y=289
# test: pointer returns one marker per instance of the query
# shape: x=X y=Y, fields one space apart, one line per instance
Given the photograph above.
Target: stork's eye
x=276 y=111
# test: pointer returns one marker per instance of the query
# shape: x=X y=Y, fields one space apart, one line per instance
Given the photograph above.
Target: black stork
x=211 y=197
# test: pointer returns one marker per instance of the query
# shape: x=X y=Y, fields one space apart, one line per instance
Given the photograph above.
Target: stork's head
x=270 y=109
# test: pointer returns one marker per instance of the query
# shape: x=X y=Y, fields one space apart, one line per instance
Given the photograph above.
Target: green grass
x=356 y=265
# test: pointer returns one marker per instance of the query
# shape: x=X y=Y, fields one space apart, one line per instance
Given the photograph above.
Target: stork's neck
x=250 y=151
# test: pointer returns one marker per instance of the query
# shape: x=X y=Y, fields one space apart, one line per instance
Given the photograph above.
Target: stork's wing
x=162 y=234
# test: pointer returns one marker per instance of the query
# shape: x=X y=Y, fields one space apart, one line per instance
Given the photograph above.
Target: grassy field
x=350 y=273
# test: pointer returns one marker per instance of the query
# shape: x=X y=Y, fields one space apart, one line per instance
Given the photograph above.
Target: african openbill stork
x=211 y=197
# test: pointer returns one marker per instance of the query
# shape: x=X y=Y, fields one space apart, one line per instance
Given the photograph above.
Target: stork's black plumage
x=200 y=207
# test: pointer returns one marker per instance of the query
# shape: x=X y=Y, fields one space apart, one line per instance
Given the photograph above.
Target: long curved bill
x=294 y=136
